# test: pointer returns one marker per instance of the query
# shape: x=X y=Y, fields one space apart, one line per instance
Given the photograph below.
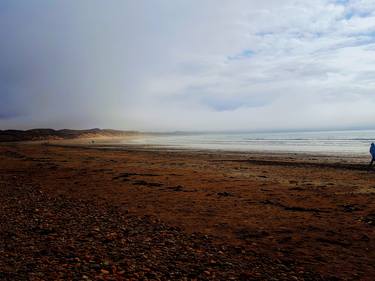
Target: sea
x=353 y=142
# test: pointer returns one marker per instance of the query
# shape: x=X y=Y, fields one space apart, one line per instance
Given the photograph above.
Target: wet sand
x=309 y=213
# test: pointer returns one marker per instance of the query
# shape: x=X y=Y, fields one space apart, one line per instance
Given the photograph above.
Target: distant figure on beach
x=372 y=152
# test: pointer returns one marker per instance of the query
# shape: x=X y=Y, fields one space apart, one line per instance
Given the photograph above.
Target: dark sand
x=228 y=215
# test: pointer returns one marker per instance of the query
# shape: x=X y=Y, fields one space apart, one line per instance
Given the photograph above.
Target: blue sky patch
x=233 y=103
x=342 y=2
x=350 y=14
x=247 y=53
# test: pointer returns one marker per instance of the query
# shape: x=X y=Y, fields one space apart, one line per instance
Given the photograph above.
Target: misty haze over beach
x=187 y=65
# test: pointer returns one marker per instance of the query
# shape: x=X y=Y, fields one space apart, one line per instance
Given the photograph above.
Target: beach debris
x=350 y=208
x=297 y=188
x=249 y=234
x=291 y=208
x=127 y=175
x=369 y=219
x=225 y=194
x=149 y=184
x=177 y=188
x=340 y=242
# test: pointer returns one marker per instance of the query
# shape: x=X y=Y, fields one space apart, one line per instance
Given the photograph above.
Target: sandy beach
x=239 y=216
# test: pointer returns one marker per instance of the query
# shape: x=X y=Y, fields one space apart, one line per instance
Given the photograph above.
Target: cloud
x=187 y=65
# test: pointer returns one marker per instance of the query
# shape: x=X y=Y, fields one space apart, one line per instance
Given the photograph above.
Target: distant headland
x=51 y=134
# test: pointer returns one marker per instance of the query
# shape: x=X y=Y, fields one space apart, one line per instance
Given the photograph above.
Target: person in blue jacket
x=372 y=152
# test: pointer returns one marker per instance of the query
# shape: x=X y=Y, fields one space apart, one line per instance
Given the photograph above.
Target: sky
x=187 y=65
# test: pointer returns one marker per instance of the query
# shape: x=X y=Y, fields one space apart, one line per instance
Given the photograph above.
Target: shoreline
x=135 y=140
x=304 y=157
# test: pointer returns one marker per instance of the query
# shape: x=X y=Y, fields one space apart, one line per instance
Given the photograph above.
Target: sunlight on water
x=327 y=142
